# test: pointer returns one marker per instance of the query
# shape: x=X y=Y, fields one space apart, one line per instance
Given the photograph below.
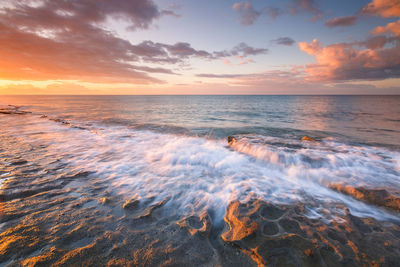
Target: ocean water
x=171 y=152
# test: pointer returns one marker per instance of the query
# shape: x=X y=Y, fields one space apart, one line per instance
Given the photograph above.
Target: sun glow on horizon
x=158 y=48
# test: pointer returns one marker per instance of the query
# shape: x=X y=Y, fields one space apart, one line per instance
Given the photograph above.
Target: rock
x=281 y=235
x=290 y=226
x=306 y=138
x=240 y=225
x=104 y=200
x=19 y=162
x=270 y=228
x=197 y=224
x=132 y=202
x=378 y=197
x=231 y=140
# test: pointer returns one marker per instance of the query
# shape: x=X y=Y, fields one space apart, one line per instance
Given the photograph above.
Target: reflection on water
x=373 y=119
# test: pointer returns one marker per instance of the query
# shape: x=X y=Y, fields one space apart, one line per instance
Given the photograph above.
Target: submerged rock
x=104 y=200
x=197 y=224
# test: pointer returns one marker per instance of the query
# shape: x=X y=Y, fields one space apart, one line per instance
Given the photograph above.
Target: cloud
x=392 y=28
x=272 y=12
x=247 y=14
x=293 y=75
x=311 y=48
x=182 y=49
x=240 y=52
x=67 y=40
x=308 y=6
x=97 y=57
x=245 y=50
x=341 y=21
x=376 y=58
x=376 y=42
x=382 y=8
x=289 y=81
x=343 y=61
x=210 y=75
x=284 y=41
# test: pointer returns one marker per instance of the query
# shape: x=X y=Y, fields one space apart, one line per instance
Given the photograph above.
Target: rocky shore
x=68 y=231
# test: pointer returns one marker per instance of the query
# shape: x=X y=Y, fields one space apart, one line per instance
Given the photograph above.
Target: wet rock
x=60 y=121
x=104 y=200
x=197 y=224
x=290 y=226
x=271 y=212
x=44 y=259
x=307 y=138
x=19 y=162
x=149 y=210
x=240 y=225
x=132 y=202
x=379 y=197
x=285 y=236
x=13 y=111
x=270 y=228
x=231 y=140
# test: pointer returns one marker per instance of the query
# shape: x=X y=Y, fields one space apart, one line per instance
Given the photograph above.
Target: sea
x=78 y=170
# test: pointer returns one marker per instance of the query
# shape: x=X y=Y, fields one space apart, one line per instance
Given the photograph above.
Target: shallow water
x=68 y=167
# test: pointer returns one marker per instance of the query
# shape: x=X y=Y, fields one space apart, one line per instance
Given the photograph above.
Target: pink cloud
x=383 y=8
x=344 y=61
x=67 y=40
x=376 y=58
x=310 y=48
x=392 y=28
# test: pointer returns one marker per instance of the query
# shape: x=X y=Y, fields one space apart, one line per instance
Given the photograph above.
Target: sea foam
x=195 y=174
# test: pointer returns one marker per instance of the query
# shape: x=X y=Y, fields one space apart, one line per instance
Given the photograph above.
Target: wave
x=194 y=174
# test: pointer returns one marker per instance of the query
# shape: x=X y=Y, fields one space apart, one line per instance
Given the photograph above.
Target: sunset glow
x=199 y=47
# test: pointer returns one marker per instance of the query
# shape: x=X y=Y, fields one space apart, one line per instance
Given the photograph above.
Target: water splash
x=196 y=174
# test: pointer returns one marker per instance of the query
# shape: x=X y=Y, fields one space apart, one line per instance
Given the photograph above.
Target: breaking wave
x=192 y=174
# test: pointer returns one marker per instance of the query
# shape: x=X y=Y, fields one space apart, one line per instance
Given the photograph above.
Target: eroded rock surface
x=283 y=236
x=378 y=197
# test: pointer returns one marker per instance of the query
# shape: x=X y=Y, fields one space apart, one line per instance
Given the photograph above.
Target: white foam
x=199 y=173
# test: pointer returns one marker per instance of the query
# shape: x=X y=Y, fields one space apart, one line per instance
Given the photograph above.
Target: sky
x=199 y=47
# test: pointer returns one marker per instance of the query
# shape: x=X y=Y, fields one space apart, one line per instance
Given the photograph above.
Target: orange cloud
x=392 y=27
x=374 y=59
x=340 y=62
x=311 y=48
x=383 y=8
x=58 y=40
